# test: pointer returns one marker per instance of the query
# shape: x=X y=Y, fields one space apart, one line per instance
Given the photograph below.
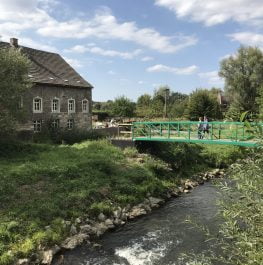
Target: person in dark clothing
x=200 y=129
x=205 y=126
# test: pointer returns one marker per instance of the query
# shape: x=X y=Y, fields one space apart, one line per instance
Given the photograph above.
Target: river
x=160 y=238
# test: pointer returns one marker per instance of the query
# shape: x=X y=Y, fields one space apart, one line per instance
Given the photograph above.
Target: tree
x=243 y=79
x=123 y=107
x=177 y=104
x=14 y=81
x=203 y=103
x=143 y=106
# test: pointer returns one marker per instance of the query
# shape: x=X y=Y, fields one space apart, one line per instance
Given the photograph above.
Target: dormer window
x=37 y=105
x=71 y=105
x=85 y=106
x=55 y=105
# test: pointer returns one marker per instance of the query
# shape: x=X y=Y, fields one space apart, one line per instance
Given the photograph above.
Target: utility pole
x=166 y=101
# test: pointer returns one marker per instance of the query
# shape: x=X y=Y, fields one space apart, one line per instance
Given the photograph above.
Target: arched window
x=71 y=105
x=85 y=106
x=37 y=105
x=55 y=105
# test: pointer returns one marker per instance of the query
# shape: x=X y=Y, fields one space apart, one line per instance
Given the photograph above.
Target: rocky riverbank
x=85 y=230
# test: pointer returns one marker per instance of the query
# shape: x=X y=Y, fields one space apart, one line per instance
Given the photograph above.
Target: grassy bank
x=41 y=186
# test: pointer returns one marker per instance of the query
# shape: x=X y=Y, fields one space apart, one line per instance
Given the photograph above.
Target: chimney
x=14 y=42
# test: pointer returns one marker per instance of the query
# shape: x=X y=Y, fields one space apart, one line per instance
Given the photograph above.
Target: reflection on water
x=158 y=238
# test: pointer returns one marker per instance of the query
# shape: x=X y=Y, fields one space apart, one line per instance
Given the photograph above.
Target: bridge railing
x=230 y=132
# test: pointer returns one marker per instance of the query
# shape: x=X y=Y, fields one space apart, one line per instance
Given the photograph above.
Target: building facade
x=59 y=97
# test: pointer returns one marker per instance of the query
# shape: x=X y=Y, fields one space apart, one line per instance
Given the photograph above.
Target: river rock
x=109 y=224
x=180 y=189
x=188 y=184
x=216 y=172
x=102 y=217
x=201 y=181
x=126 y=209
x=87 y=229
x=155 y=202
x=47 y=256
x=22 y=262
x=74 y=241
x=187 y=191
x=147 y=208
x=78 y=221
x=117 y=221
x=73 y=230
x=117 y=213
x=136 y=211
x=124 y=216
x=101 y=228
x=174 y=193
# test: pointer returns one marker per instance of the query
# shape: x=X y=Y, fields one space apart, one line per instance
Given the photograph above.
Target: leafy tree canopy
x=243 y=78
x=14 y=82
x=203 y=103
x=123 y=107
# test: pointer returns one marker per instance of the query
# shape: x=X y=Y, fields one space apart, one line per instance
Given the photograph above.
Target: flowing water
x=159 y=238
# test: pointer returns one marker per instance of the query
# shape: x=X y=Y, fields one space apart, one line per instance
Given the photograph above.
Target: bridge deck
x=230 y=133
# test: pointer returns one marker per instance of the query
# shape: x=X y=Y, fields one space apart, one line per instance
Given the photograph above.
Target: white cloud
x=141 y=82
x=174 y=70
x=212 y=78
x=35 y=15
x=147 y=59
x=248 y=38
x=212 y=12
x=105 y=26
x=109 y=53
x=73 y=62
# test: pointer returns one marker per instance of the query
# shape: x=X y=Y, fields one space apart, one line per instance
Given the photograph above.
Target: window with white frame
x=85 y=105
x=71 y=105
x=55 y=124
x=55 y=105
x=37 y=125
x=37 y=105
x=70 y=124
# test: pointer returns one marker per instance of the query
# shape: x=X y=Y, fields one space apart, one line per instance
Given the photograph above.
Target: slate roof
x=50 y=68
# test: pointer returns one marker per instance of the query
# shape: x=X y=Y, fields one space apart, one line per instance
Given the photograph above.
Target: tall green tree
x=201 y=103
x=243 y=74
x=143 y=106
x=123 y=107
x=14 y=81
x=177 y=104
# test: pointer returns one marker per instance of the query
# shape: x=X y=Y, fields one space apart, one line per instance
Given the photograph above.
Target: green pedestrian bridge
x=230 y=133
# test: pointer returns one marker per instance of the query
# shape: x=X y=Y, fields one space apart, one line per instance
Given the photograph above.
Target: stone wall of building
x=47 y=93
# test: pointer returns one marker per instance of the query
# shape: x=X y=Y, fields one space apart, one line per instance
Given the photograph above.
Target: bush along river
x=165 y=236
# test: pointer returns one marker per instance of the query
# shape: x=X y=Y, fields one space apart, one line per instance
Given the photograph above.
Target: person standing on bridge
x=200 y=128
x=205 y=126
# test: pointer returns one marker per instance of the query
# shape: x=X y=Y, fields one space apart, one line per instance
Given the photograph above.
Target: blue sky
x=130 y=47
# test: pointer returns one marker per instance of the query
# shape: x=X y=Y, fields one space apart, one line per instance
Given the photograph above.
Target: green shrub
x=101 y=207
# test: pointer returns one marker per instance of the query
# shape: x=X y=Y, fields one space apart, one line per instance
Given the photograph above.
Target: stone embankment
x=86 y=230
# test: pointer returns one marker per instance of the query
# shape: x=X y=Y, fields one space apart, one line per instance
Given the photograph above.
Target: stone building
x=60 y=97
